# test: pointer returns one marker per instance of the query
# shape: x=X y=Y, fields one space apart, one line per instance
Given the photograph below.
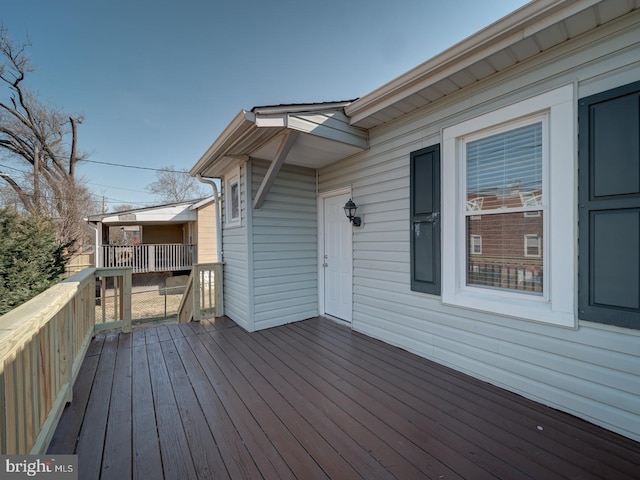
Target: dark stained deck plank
x=139 y=335
x=117 y=459
x=69 y=426
x=95 y=347
x=243 y=378
x=499 y=450
x=233 y=451
x=176 y=457
x=339 y=455
x=310 y=400
x=163 y=333
x=451 y=448
x=265 y=455
x=151 y=335
x=398 y=453
x=94 y=426
x=332 y=422
x=196 y=327
x=218 y=323
x=566 y=443
x=147 y=460
x=206 y=457
x=175 y=331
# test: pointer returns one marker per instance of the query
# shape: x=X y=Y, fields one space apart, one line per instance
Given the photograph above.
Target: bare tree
x=173 y=185
x=122 y=207
x=40 y=143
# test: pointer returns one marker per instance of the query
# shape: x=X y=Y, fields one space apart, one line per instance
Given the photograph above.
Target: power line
x=117 y=188
x=135 y=166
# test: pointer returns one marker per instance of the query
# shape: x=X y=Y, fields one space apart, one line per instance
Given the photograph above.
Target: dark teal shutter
x=609 y=207
x=425 y=220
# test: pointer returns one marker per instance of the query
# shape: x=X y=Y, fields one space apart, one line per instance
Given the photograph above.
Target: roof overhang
x=315 y=134
x=158 y=215
x=536 y=27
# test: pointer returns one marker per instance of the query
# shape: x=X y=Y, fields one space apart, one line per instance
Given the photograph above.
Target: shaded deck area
x=310 y=400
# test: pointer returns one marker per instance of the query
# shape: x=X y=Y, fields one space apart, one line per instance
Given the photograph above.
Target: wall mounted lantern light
x=350 y=211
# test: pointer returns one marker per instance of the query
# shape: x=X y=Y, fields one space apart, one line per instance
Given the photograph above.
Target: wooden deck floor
x=310 y=400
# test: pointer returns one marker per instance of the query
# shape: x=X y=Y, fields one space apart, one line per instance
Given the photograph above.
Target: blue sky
x=158 y=80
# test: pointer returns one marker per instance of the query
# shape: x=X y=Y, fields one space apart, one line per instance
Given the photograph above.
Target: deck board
x=267 y=458
x=432 y=412
x=206 y=457
x=176 y=456
x=310 y=400
x=147 y=461
x=117 y=449
x=91 y=438
x=391 y=449
x=516 y=417
x=239 y=462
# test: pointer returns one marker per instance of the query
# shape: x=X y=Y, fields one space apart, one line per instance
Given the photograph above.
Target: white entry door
x=337 y=258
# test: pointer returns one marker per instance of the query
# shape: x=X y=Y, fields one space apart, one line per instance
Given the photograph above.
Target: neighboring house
x=162 y=238
x=530 y=128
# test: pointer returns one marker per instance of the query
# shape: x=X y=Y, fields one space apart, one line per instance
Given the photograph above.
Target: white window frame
x=231 y=177
x=557 y=305
x=537 y=238
x=475 y=240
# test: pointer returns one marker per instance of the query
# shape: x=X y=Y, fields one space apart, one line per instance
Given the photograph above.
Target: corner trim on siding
x=248 y=166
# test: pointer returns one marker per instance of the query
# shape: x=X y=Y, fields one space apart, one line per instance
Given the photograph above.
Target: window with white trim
x=502 y=165
x=475 y=244
x=532 y=245
x=232 y=198
x=500 y=172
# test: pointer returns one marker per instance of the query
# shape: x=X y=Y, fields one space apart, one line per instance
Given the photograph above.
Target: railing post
x=217 y=285
x=196 y=294
x=126 y=301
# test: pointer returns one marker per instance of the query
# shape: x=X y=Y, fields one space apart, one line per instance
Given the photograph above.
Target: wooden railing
x=42 y=345
x=203 y=293
x=119 y=296
x=149 y=257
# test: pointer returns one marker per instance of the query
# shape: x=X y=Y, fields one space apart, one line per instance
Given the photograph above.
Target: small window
x=532 y=245
x=232 y=198
x=475 y=244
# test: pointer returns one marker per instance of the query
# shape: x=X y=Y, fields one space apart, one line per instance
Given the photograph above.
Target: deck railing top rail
x=21 y=322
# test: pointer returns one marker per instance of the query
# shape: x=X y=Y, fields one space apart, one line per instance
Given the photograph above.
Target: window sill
x=535 y=309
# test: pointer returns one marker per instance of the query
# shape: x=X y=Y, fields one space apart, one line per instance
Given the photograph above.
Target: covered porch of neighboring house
x=310 y=400
x=163 y=238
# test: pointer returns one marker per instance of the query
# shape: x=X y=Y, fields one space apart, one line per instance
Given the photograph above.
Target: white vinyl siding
x=284 y=233
x=235 y=248
x=591 y=372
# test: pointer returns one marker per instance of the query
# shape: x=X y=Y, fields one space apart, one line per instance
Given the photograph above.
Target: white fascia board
x=302 y=107
x=202 y=203
x=158 y=215
x=273 y=121
x=243 y=121
x=520 y=24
